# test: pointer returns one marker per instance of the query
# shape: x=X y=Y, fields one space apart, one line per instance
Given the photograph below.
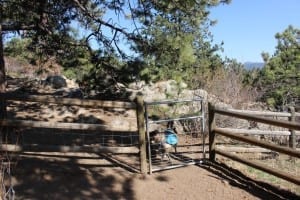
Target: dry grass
x=280 y=162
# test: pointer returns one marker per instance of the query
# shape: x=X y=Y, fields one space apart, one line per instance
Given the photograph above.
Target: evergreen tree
x=179 y=41
x=280 y=78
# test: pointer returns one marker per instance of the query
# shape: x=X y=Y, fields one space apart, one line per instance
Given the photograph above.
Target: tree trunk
x=2 y=64
x=3 y=112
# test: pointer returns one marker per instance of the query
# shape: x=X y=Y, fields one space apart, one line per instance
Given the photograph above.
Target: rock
x=71 y=83
x=137 y=85
x=55 y=81
x=74 y=93
x=69 y=93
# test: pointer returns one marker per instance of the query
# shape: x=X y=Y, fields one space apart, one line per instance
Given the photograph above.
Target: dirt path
x=73 y=178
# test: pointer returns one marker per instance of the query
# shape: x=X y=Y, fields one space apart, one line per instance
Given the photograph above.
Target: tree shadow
x=62 y=177
x=65 y=178
x=236 y=178
x=43 y=112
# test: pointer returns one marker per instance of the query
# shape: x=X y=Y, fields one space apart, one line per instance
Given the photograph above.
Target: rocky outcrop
x=171 y=90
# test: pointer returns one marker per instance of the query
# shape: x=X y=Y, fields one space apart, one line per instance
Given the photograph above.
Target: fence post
x=211 y=127
x=3 y=115
x=141 y=130
x=292 y=138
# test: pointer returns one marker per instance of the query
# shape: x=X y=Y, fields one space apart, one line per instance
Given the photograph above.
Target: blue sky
x=248 y=27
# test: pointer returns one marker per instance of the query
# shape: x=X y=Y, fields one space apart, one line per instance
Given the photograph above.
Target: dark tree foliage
x=168 y=38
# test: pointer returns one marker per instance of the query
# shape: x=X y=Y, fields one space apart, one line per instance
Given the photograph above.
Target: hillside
x=253 y=65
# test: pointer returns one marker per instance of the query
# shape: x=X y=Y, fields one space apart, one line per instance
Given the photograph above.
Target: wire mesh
x=119 y=126
x=119 y=130
x=186 y=118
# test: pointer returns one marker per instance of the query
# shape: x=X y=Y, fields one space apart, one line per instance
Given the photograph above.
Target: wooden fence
x=213 y=149
x=291 y=116
x=137 y=105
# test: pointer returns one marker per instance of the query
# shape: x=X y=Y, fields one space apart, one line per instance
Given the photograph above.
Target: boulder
x=56 y=81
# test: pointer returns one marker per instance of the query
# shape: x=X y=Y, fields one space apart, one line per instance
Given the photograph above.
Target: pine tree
x=280 y=78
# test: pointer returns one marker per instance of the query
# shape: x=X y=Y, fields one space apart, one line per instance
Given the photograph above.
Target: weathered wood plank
x=284 y=124
x=142 y=133
x=265 y=113
x=65 y=149
x=52 y=125
x=258 y=132
x=243 y=149
x=65 y=126
x=69 y=101
x=212 y=135
x=263 y=144
x=257 y=165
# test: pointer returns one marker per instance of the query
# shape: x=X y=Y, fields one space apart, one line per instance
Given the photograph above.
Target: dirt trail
x=73 y=177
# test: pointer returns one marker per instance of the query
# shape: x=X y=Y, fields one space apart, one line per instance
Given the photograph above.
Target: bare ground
x=91 y=176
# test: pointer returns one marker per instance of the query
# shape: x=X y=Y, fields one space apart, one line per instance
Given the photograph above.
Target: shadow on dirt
x=237 y=179
x=71 y=178
x=56 y=175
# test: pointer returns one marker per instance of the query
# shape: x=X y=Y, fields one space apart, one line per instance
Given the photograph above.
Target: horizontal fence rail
x=52 y=125
x=259 y=132
x=238 y=135
x=264 y=113
x=243 y=149
x=284 y=124
x=280 y=174
x=173 y=101
x=256 y=142
x=67 y=149
x=68 y=101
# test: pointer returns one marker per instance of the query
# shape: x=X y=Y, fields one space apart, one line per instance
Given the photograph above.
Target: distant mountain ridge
x=252 y=65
